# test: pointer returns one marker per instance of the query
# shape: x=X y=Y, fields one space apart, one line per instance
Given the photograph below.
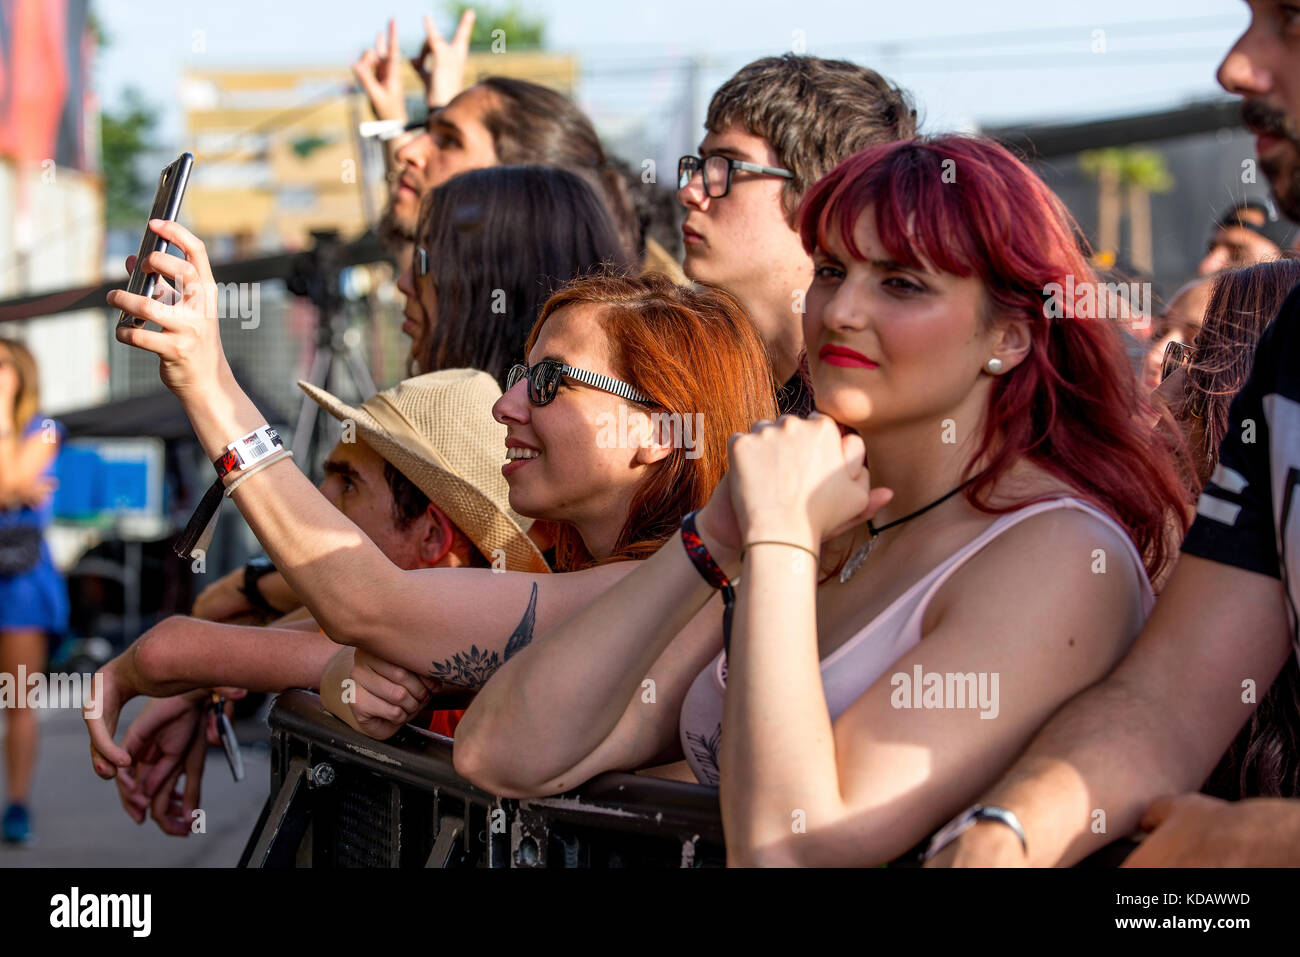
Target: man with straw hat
x=418 y=470
x=437 y=431
x=434 y=439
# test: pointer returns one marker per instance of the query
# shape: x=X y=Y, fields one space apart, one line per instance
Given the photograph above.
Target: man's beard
x=393 y=230
x=1262 y=118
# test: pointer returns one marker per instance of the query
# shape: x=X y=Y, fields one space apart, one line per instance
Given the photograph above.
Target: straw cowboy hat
x=438 y=431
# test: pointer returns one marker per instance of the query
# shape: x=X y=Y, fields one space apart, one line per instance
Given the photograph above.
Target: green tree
x=521 y=31
x=124 y=135
x=1126 y=173
x=1107 y=167
x=96 y=29
x=1145 y=172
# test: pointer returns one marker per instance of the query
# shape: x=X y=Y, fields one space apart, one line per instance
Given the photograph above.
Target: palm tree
x=1125 y=173
x=1145 y=172
x=1106 y=166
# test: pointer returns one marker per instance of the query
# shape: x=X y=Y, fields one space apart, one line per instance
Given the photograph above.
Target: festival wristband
x=261 y=443
x=245 y=474
x=709 y=570
x=240 y=455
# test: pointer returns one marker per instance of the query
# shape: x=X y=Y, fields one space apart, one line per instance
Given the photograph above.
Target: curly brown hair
x=814 y=112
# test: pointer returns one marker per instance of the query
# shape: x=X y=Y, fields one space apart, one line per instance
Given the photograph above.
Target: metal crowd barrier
x=341 y=799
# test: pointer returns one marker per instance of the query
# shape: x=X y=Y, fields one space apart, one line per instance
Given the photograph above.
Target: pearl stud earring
x=994 y=365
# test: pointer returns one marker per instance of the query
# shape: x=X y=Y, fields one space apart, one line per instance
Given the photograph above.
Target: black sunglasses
x=544 y=379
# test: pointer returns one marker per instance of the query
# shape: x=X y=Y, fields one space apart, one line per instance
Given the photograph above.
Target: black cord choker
x=858 y=557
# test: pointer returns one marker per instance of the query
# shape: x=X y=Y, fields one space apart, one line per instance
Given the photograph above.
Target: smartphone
x=166 y=205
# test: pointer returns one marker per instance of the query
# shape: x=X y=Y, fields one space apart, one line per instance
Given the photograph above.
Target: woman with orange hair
x=617 y=426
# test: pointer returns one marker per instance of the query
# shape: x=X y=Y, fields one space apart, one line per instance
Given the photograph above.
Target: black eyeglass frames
x=717 y=171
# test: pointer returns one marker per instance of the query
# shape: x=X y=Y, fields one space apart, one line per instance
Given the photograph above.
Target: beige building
x=277 y=153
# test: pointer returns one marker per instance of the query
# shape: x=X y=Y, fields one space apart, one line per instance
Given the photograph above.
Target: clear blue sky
x=966 y=62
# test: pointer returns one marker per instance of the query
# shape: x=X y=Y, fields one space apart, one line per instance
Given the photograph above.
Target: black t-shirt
x=1248 y=515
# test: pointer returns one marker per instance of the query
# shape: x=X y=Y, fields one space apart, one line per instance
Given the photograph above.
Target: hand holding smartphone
x=166 y=205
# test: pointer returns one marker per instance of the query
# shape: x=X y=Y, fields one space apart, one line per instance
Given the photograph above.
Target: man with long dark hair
x=499 y=121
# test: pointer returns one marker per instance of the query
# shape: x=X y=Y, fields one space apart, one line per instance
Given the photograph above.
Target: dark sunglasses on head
x=544 y=379
x=1177 y=355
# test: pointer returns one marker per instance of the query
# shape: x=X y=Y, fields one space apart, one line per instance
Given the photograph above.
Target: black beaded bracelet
x=699 y=555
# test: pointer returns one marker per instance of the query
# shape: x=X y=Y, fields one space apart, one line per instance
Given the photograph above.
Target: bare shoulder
x=1061 y=545
x=1059 y=569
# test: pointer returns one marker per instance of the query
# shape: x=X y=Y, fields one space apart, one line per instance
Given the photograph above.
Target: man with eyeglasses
x=1130 y=753
x=774 y=129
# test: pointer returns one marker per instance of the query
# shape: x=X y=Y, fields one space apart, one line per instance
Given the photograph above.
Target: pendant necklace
x=860 y=555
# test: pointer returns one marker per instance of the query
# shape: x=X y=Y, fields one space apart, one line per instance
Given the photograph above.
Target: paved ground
x=81 y=824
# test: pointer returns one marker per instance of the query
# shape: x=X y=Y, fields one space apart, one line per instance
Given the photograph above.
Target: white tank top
x=857 y=664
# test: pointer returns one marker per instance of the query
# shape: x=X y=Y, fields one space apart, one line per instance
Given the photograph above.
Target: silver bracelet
x=968 y=819
x=248 y=473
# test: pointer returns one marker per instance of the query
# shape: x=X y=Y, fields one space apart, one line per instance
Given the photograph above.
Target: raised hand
x=441 y=64
x=379 y=71
x=193 y=364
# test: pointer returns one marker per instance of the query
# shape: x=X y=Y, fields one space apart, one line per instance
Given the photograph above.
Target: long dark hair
x=1264 y=759
x=1242 y=304
x=500 y=241
x=532 y=124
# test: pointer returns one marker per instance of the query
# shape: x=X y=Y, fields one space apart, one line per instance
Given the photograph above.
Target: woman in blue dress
x=33 y=597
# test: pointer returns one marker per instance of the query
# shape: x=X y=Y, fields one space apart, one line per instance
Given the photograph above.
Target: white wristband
x=252 y=470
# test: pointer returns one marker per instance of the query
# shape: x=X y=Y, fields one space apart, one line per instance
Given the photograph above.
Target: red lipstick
x=840 y=356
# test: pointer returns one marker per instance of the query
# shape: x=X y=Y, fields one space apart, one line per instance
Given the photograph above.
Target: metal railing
x=341 y=799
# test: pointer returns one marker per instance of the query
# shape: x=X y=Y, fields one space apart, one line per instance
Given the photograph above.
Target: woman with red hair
x=960 y=541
